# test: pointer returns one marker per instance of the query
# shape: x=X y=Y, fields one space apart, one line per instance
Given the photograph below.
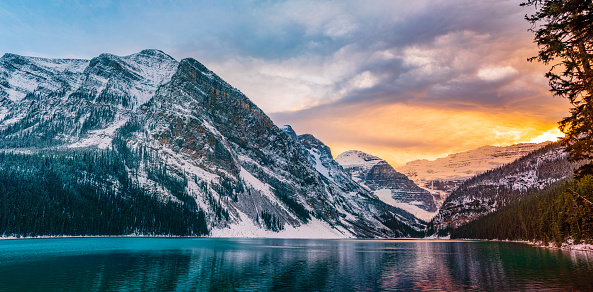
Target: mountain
x=493 y=189
x=57 y=102
x=392 y=187
x=443 y=175
x=146 y=144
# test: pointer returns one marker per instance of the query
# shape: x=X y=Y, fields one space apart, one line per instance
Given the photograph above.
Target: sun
x=551 y=135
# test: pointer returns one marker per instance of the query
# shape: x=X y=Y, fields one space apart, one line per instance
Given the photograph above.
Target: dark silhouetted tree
x=564 y=33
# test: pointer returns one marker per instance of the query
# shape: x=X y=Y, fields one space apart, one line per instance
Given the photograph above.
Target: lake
x=214 y=264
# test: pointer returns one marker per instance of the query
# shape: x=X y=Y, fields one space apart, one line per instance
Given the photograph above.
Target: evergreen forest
x=89 y=193
x=561 y=212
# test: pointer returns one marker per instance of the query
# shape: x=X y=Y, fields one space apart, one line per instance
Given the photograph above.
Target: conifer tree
x=564 y=34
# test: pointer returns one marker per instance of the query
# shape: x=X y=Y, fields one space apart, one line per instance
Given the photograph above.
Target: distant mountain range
x=443 y=175
x=493 y=189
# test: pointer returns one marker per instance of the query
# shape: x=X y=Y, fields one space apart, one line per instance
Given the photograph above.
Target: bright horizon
x=397 y=80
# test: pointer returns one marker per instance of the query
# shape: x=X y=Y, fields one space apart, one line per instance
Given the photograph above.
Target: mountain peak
x=11 y=56
x=357 y=158
x=310 y=142
x=16 y=60
x=154 y=53
x=289 y=131
x=389 y=185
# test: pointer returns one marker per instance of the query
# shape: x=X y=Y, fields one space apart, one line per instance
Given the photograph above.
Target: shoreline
x=567 y=246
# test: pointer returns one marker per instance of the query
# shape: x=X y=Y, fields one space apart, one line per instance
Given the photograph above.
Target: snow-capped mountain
x=443 y=175
x=188 y=140
x=51 y=102
x=392 y=187
x=487 y=192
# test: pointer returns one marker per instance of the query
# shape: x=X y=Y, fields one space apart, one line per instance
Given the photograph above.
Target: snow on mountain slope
x=443 y=175
x=24 y=75
x=76 y=102
x=321 y=157
x=188 y=137
x=390 y=186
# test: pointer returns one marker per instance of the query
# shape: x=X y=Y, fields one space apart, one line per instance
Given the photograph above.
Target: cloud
x=497 y=73
x=394 y=53
x=403 y=132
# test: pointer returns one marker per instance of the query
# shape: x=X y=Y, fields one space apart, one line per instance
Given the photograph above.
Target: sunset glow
x=396 y=134
x=551 y=135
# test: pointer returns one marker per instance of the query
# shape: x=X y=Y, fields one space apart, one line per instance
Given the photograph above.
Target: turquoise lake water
x=208 y=264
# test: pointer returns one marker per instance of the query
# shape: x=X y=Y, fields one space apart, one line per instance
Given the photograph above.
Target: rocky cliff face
x=187 y=137
x=392 y=187
x=320 y=156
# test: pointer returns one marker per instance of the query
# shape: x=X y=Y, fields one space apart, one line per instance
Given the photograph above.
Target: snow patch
x=100 y=138
x=254 y=182
x=385 y=195
x=319 y=165
x=247 y=229
x=355 y=158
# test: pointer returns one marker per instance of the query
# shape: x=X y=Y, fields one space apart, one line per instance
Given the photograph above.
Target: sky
x=402 y=80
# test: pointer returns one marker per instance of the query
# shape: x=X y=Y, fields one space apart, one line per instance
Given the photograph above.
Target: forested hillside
x=89 y=193
x=563 y=212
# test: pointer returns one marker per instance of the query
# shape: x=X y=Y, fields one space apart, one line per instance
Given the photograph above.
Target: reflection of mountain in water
x=293 y=265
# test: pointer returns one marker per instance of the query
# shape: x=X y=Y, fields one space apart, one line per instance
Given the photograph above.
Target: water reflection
x=142 y=264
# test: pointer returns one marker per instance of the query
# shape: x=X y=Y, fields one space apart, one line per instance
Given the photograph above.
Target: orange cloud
x=400 y=133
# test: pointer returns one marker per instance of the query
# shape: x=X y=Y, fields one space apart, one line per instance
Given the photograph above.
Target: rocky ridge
x=392 y=187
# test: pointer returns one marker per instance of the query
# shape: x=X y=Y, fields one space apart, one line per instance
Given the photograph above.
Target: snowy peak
x=387 y=184
x=461 y=166
x=355 y=158
x=20 y=76
x=153 y=54
x=75 y=103
x=137 y=75
x=443 y=175
x=13 y=62
x=370 y=170
x=289 y=131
